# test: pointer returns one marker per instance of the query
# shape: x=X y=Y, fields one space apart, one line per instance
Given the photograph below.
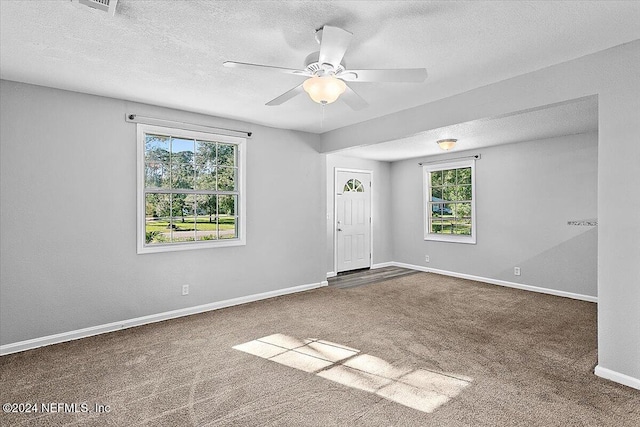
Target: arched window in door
x=353 y=185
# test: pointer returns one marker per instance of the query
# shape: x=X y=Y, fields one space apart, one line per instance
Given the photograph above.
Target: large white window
x=190 y=189
x=449 y=202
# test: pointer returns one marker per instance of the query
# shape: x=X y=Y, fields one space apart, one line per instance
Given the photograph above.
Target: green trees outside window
x=449 y=205
x=190 y=190
x=450 y=201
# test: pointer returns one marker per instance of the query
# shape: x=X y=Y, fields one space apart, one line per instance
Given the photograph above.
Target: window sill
x=175 y=247
x=470 y=240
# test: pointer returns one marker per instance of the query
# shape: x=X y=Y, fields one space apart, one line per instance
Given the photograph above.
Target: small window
x=449 y=206
x=353 y=185
x=190 y=189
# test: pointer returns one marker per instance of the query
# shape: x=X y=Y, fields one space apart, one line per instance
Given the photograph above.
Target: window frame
x=426 y=192
x=240 y=143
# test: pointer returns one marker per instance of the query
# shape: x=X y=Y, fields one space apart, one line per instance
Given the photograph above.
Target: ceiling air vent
x=103 y=5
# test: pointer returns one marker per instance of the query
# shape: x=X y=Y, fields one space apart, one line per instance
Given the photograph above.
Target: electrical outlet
x=185 y=289
x=516 y=271
x=426 y=258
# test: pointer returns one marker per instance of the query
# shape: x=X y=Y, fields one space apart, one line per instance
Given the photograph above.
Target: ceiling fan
x=326 y=72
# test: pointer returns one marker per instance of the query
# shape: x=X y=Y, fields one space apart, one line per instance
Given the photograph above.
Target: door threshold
x=357 y=270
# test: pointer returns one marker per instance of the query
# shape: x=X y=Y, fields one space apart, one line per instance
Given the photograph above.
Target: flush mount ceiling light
x=447 y=144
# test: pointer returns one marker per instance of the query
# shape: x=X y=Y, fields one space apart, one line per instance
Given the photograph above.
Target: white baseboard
x=138 y=321
x=617 y=377
x=382 y=265
x=331 y=274
x=499 y=282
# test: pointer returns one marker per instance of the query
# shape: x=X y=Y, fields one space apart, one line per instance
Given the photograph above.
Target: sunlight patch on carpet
x=419 y=389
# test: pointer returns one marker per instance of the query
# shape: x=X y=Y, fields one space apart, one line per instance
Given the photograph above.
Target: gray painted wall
x=68 y=225
x=99 y=278
x=525 y=194
x=613 y=75
x=380 y=206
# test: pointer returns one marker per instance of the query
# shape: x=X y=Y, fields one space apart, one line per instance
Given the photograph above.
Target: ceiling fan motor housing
x=312 y=66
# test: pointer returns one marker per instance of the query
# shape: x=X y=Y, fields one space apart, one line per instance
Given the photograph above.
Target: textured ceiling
x=170 y=53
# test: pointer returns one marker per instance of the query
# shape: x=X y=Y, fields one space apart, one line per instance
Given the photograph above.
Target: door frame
x=335 y=213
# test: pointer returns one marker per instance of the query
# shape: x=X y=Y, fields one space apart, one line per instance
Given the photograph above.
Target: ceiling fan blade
x=232 y=64
x=333 y=45
x=353 y=100
x=286 y=96
x=402 y=75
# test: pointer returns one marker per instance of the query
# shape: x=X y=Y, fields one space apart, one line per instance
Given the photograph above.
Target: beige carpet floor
x=526 y=359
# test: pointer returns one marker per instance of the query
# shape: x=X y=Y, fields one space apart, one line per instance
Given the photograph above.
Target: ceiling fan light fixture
x=447 y=144
x=324 y=89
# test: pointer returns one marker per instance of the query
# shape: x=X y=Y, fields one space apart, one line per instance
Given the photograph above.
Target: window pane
x=447 y=225
x=156 y=174
x=228 y=229
x=227 y=208
x=157 y=231
x=207 y=206
x=184 y=220
x=449 y=176
x=157 y=220
x=205 y=160
x=463 y=211
x=436 y=178
x=462 y=229
x=436 y=209
x=157 y=205
x=227 y=205
x=448 y=209
x=156 y=147
x=156 y=161
x=206 y=149
x=436 y=227
x=226 y=178
x=436 y=194
x=184 y=229
x=450 y=193
x=180 y=146
x=206 y=179
x=179 y=210
x=182 y=166
x=464 y=176
x=465 y=192
x=226 y=154
x=206 y=217
x=206 y=230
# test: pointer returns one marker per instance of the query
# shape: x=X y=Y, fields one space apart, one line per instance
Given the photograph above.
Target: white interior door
x=353 y=220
